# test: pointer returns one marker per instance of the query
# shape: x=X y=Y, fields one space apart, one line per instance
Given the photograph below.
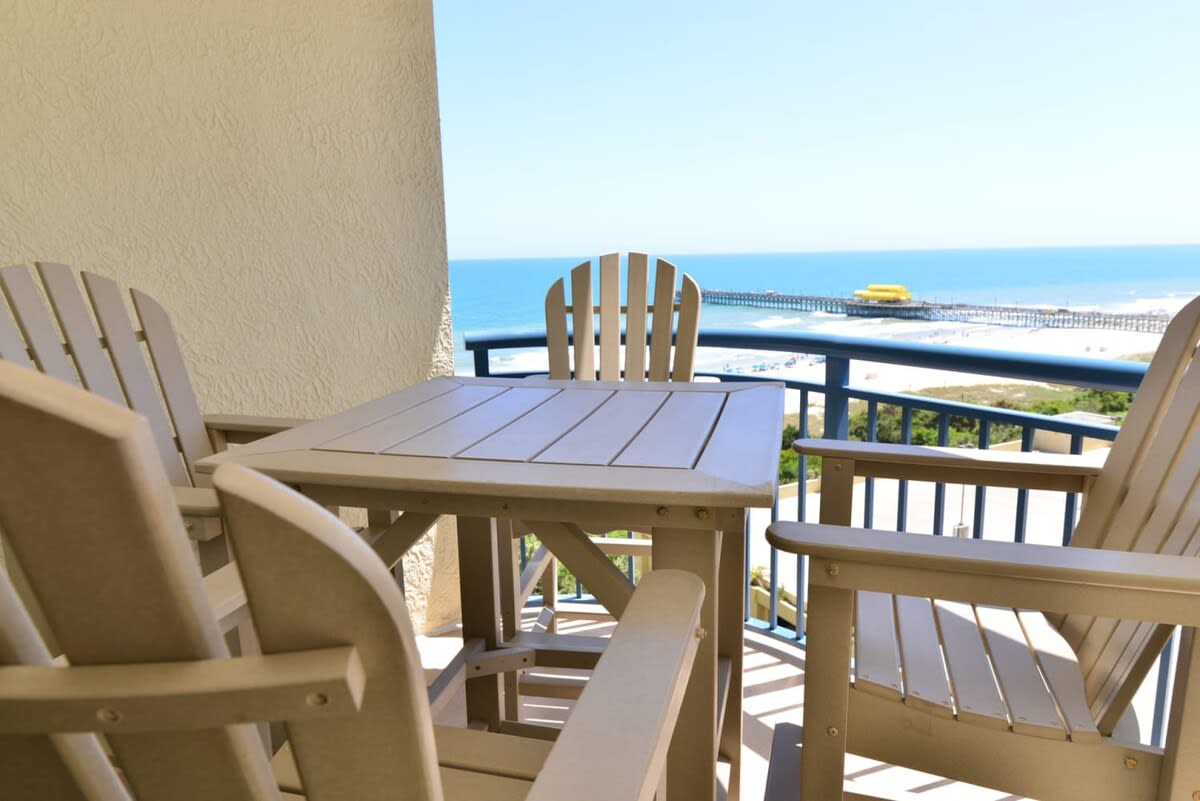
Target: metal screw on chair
x=316 y=699
x=831 y=569
x=701 y=633
x=108 y=715
x=702 y=514
x=1196 y=796
x=832 y=731
x=1131 y=763
x=663 y=511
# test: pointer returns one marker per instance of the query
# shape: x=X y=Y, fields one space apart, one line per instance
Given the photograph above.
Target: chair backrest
x=88 y=512
x=91 y=342
x=91 y=518
x=1146 y=499
x=636 y=310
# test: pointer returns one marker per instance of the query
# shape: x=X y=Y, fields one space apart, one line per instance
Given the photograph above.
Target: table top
x=684 y=443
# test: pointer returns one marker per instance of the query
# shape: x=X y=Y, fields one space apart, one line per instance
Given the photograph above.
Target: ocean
x=507 y=294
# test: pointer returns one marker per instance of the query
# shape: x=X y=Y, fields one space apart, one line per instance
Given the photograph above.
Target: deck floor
x=774 y=693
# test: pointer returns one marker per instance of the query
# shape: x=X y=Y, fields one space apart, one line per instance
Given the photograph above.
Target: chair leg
x=1180 y=778
x=826 y=692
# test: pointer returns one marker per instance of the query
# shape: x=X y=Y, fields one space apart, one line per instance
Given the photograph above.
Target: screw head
x=837 y=468
x=832 y=731
x=1196 y=796
x=831 y=569
x=316 y=699
x=108 y=715
x=701 y=514
x=701 y=633
x=662 y=511
x=1130 y=762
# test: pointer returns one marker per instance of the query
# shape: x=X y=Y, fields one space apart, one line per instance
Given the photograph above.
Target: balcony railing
x=837 y=393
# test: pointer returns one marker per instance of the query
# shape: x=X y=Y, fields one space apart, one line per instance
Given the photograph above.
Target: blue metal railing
x=838 y=394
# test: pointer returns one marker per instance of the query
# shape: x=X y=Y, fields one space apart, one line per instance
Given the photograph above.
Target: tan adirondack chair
x=954 y=673
x=662 y=311
x=91 y=342
x=89 y=511
x=636 y=313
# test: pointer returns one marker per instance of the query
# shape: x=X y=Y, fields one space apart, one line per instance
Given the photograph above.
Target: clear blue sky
x=704 y=126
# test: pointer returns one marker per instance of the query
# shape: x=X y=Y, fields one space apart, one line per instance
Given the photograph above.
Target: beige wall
x=270 y=171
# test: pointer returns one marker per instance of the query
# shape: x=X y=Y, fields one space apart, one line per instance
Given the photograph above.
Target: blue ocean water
x=507 y=294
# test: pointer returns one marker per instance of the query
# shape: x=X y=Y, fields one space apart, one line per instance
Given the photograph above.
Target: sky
x=715 y=127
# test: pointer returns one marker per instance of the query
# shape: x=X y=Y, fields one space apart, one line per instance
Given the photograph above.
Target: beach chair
x=954 y=673
x=662 y=324
x=89 y=512
x=630 y=319
x=91 y=342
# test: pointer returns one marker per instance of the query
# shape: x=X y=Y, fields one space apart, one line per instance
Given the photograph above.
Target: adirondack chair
x=954 y=673
x=86 y=503
x=616 y=364
x=63 y=341
x=582 y=314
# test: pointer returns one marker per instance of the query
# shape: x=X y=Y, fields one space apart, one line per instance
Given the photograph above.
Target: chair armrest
x=1115 y=584
x=1048 y=471
x=197 y=501
x=242 y=428
x=627 y=712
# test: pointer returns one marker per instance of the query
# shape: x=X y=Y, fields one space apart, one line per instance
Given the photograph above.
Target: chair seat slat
x=1030 y=706
x=876 y=654
x=976 y=696
x=924 y=673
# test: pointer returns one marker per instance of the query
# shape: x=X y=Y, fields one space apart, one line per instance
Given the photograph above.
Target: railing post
x=482 y=362
x=837 y=399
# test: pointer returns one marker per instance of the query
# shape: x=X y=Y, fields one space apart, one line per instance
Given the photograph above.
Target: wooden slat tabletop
x=713 y=444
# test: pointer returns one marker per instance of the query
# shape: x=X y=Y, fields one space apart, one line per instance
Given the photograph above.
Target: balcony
x=775 y=644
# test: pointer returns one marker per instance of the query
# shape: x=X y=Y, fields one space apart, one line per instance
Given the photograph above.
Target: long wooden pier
x=1017 y=316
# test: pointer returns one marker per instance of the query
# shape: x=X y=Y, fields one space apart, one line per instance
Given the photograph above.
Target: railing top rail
x=1069 y=370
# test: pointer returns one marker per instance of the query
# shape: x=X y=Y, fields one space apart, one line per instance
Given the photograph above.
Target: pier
x=1017 y=316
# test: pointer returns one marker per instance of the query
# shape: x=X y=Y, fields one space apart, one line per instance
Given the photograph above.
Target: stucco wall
x=270 y=171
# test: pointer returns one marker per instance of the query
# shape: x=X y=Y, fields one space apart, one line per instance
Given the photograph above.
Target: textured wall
x=270 y=171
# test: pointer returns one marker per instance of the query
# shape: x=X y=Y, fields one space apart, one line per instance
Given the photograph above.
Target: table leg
x=730 y=644
x=691 y=761
x=479 y=593
x=510 y=620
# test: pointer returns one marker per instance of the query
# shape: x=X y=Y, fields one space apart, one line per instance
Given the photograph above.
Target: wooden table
x=683 y=461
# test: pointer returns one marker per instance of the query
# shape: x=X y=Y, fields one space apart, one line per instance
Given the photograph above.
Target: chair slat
x=76 y=323
x=976 y=696
x=556 y=332
x=925 y=684
x=610 y=317
x=132 y=370
x=35 y=323
x=177 y=390
x=12 y=346
x=1061 y=669
x=583 y=328
x=635 y=317
x=1030 y=705
x=688 y=331
x=131 y=590
x=876 y=654
x=664 y=317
